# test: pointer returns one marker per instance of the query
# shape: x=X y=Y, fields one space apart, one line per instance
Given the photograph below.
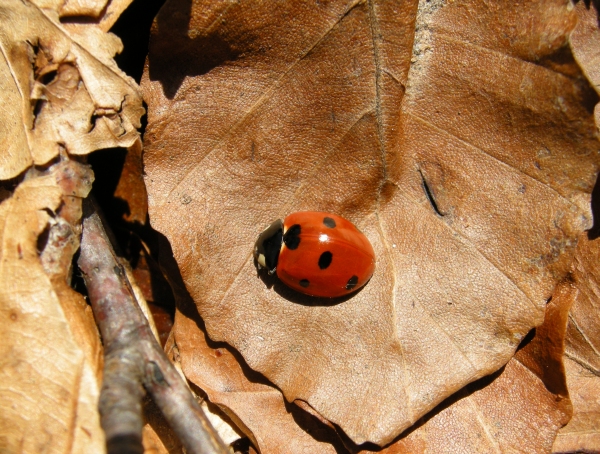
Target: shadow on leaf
x=272 y=282
x=175 y=53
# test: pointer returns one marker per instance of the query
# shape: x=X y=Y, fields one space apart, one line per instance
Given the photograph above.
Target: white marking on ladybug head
x=261 y=260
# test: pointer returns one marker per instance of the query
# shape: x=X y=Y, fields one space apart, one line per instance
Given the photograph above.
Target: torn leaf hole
x=37 y=109
x=35 y=48
x=93 y=119
x=79 y=20
x=429 y=195
x=42 y=239
x=51 y=213
x=48 y=77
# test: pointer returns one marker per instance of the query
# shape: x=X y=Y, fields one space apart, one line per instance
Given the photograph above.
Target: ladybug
x=319 y=254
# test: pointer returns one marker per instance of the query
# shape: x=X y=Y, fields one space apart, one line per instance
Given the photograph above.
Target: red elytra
x=316 y=253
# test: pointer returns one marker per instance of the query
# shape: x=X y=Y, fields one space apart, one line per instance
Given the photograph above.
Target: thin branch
x=134 y=359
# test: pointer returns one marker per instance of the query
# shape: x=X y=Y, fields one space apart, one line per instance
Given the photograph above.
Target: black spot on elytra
x=325 y=259
x=291 y=238
x=351 y=282
x=329 y=222
x=304 y=283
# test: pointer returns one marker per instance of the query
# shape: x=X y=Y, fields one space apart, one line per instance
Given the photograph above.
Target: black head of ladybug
x=268 y=246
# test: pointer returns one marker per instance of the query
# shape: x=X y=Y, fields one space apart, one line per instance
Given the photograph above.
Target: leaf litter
x=467 y=155
x=62 y=95
x=50 y=346
x=64 y=91
x=473 y=186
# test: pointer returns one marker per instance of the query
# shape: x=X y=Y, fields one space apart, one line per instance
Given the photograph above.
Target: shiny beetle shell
x=319 y=254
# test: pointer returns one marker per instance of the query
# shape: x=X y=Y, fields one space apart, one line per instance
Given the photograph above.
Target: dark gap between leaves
x=43 y=237
x=315 y=428
x=526 y=340
x=37 y=109
x=589 y=3
x=49 y=77
x=462 y=393
x=133 y=27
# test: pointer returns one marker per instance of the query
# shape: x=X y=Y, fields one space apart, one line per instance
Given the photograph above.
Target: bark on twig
x=134 y=359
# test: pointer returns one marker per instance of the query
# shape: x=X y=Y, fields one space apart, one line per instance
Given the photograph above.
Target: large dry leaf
x=583 y=340
x=48 y=386
x=519 y=409
x=467 y=160
x=255 y=406
x=59 y=88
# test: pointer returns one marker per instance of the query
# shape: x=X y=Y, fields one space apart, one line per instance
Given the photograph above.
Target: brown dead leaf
x=585 y=38
x=467 y=157
x=91 y=9
x=60 y=87
x=131 y=187
x=583 y=339
x=106 y=12
x=518 y=409
x=48 y=391
x=582 y=434
x=255 y=407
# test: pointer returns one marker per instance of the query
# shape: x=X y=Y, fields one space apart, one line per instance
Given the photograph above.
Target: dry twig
x=134 y=359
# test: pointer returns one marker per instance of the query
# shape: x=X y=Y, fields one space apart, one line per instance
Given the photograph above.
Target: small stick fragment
x=134 y=359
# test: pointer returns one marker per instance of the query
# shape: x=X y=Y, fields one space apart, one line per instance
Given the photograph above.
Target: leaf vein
x=495 y=158
x=465 y=240
x=260 y=100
